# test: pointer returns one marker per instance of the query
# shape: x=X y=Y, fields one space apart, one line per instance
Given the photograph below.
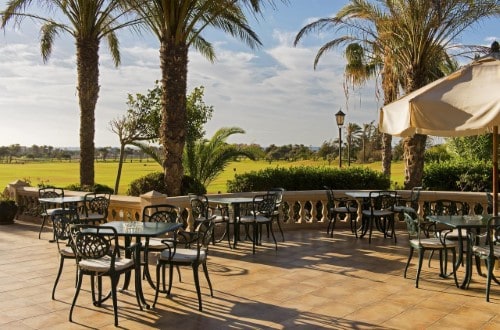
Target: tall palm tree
x=422 y=39
x=364 y=53
x=178 y=25
x=210 y=157
x=88 y=22
x=411 y=38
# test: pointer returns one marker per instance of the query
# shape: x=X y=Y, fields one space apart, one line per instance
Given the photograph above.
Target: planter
x=8 y=211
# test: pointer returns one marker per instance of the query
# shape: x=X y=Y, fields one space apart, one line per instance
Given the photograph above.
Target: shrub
x=96 y=188
x=308 y=178
x=457 y=176
x=155 y=181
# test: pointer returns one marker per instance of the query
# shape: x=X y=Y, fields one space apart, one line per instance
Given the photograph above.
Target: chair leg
x=197 y=285
x=255 y=236
x=78 y=287
x=44 y=218
x=205 y=270
x=61 y=264
x=114 y=284
x=490 y=264
x=453 y=266
x=274 y=237
x=281 y=229
x=409 y=260
x=419 y=269
x=157 y=291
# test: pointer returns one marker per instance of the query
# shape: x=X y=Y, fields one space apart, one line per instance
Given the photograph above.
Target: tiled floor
x=311 y=282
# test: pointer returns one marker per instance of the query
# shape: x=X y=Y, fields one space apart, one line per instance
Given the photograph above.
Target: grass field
x=64 y=173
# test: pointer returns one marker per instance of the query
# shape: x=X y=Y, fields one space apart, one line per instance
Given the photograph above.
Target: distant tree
x=327 y=149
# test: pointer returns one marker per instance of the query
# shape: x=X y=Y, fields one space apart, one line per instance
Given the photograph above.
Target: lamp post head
x=339 y=117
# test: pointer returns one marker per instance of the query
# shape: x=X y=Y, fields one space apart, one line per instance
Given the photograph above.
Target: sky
x=272 y=92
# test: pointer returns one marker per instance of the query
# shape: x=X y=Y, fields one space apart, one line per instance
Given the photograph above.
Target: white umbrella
x=466 y=102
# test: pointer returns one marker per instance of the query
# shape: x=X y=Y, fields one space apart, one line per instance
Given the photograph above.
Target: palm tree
x=210 y=157
x=411 y=38
x=88 y=22
x=353 y=133
x=178 y=25
x=363 y=53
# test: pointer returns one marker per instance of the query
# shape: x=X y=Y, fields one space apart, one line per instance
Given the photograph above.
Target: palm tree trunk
x=386 y=154
x=120 y=166
x=414 y=148
x=173 y=62
x=87 y=58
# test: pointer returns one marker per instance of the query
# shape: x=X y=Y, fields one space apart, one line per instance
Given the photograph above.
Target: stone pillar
x=12 y=187
x=152 y=198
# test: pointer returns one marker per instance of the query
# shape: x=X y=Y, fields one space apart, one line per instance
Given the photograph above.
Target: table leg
x=236 y=232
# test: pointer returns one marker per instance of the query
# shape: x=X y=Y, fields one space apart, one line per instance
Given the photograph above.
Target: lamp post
x=339 y=117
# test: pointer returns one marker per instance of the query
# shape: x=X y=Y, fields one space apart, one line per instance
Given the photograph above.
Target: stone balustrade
x=300 y=209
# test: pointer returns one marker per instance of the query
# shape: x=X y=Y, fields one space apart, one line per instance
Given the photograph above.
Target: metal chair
x=420 y=242
x=277 y=209
x=340 y=206
x=95 y=208
x=262 y=209
x=98 y=255
x=192 y=252
x=62 y=220
x=486 y=248
x=156 y=213
x=48 y=208
x=381 y=213
x=202 y=211
x=409 y=205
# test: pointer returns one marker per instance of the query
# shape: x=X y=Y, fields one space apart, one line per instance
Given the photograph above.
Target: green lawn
x=64 y=173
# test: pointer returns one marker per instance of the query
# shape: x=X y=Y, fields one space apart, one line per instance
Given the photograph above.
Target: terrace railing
x=300 y=209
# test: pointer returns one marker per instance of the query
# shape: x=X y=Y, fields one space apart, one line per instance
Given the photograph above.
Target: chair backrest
x=329 y=197
x=160 y=213
x=414 y=197
x=489 y=198
x=95 y=242
x=446 y=207
x=279 y=194
x=493 y=234
x=62 y=220
x=199 y=206
x=264 y=204
x=383 y=199
x=204 y=235
x=50 y=192
x=97 y=203
x=412 y=226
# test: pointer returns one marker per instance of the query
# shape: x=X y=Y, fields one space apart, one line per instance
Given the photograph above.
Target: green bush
x=155 y=181
x=96 y=188
x=457 y=176
x=308 y=178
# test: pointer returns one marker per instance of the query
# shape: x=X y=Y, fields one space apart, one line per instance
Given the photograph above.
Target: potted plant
x=8 y=210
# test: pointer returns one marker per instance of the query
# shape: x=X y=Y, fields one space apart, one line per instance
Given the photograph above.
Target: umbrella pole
x=495 y=170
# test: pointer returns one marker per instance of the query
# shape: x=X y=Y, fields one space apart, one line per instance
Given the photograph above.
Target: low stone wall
x=300 y=209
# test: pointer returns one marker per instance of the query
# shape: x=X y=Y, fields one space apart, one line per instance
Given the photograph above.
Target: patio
x=312 y=281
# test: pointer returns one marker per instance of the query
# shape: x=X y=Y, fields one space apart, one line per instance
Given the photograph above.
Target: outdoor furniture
x=61 y=223
x=98 y=255
x=47 y=207
x=421 y=242
x=340 y=206
x=192 y=251
x=276 y=213
x=442 y=207
x=485 y=247
x=165 y=213
x=202 y=211
x=380 y=213
x=467 y=227
x=261 y=214
x=95 y=208
x=233 y=203
x=409 y=205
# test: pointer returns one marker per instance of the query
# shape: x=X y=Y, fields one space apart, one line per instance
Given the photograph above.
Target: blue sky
x=273 y=93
